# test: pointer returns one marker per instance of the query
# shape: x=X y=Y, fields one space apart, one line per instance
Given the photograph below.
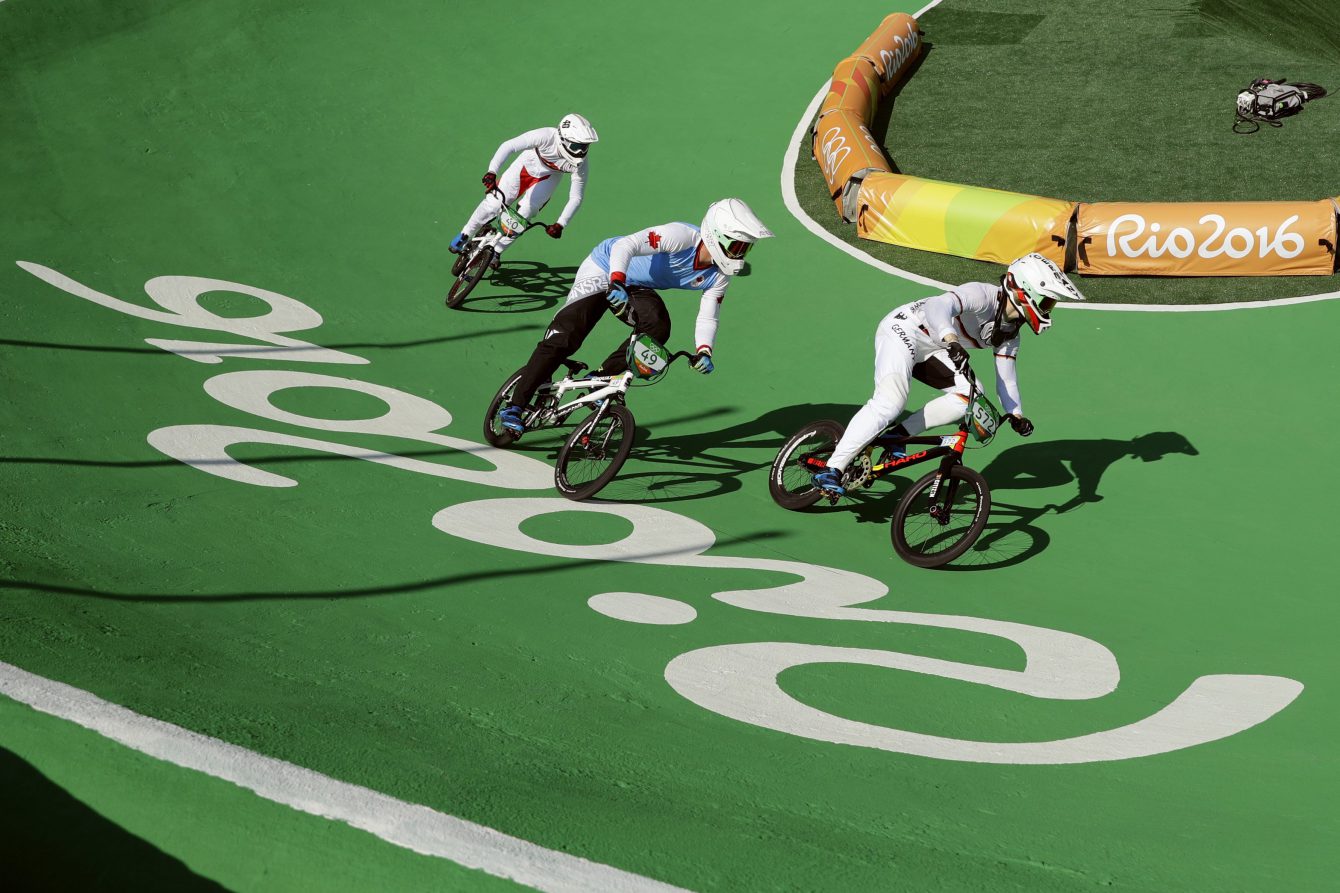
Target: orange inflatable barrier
x=892 y=49
x=845 y=149
x=854 y=88
x=1206 y=238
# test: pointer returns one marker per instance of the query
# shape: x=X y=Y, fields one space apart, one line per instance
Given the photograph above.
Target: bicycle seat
x=575 y=367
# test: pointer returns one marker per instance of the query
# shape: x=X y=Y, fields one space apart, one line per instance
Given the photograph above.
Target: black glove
x=1022 y=426
x=958 y=355
x=490 y=180
x=554 y=230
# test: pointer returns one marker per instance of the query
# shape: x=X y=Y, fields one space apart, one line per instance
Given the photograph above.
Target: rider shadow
x=1012 y=535
x=711 y=463
x=528 y=285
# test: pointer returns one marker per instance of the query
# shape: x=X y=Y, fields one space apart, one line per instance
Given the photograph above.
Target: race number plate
x=513 y=224
x=647 y=358
x=983 y=420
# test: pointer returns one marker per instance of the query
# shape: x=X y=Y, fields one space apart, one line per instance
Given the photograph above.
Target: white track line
x=407 y=825
x=793 y=205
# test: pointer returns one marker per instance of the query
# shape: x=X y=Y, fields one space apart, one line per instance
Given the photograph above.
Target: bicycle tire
x=788 y=480
x=943 y=542
x=469 y=278
x=494 y=432
x=587 y=448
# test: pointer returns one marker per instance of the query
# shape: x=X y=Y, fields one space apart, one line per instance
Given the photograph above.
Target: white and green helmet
x=728 y=229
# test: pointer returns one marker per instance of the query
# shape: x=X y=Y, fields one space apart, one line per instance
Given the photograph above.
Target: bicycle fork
x=941 y=511
x=594 y=421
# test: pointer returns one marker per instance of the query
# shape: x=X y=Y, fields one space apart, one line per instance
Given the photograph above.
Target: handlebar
x=577 y=367
x=502 y=200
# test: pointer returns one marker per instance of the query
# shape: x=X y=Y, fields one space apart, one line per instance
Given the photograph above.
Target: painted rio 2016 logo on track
x=734 y=680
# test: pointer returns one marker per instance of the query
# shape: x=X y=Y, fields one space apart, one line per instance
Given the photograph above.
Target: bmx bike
x=479 y=253
x=597 y=448
x=943 y=513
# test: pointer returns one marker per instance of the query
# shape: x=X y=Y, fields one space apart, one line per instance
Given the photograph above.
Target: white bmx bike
x=479 y=253
x=597 y=448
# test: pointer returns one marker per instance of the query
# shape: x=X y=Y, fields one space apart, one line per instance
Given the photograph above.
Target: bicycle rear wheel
x=469 y=277
x=494 y=432
x=932 y=532
x=805 y=453
x=594 y=452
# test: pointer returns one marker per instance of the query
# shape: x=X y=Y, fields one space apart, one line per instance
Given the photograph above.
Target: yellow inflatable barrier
x=968 y=221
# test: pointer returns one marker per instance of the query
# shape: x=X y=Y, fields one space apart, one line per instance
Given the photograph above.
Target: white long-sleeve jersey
x=541 y=158
x=666 y=256
x=968 y=311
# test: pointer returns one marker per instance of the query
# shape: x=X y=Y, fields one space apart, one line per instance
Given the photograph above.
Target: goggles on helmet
x=735 y=248
x=577 y=150
x=1037 y=316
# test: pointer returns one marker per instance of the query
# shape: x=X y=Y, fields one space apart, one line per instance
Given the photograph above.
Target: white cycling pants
x=517 y=182
x=900 y=345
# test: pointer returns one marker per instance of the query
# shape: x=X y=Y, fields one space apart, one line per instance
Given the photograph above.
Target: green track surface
x=1095 y=101
x=327 y=151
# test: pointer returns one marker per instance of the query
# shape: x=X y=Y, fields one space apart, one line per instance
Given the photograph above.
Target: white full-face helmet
x=1246 y=104
x=575 y=136
x=1033 y=284
x=729 y=228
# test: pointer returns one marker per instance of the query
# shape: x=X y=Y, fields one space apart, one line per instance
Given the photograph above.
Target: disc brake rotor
x=860 y=472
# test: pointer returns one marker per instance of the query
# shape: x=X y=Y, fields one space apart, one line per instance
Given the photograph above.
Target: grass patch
x=1106 y=102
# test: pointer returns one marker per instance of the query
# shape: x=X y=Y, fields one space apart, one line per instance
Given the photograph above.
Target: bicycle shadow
x=1013 y=533
x=528 y=286
x=711 y=463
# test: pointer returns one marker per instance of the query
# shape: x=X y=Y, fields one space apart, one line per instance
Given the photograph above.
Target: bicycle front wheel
x=930 y=532
x=594 y=452
x=803 y=454
x=469 y=277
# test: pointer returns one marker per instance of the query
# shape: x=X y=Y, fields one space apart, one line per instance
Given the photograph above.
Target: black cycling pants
x=570 y=326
